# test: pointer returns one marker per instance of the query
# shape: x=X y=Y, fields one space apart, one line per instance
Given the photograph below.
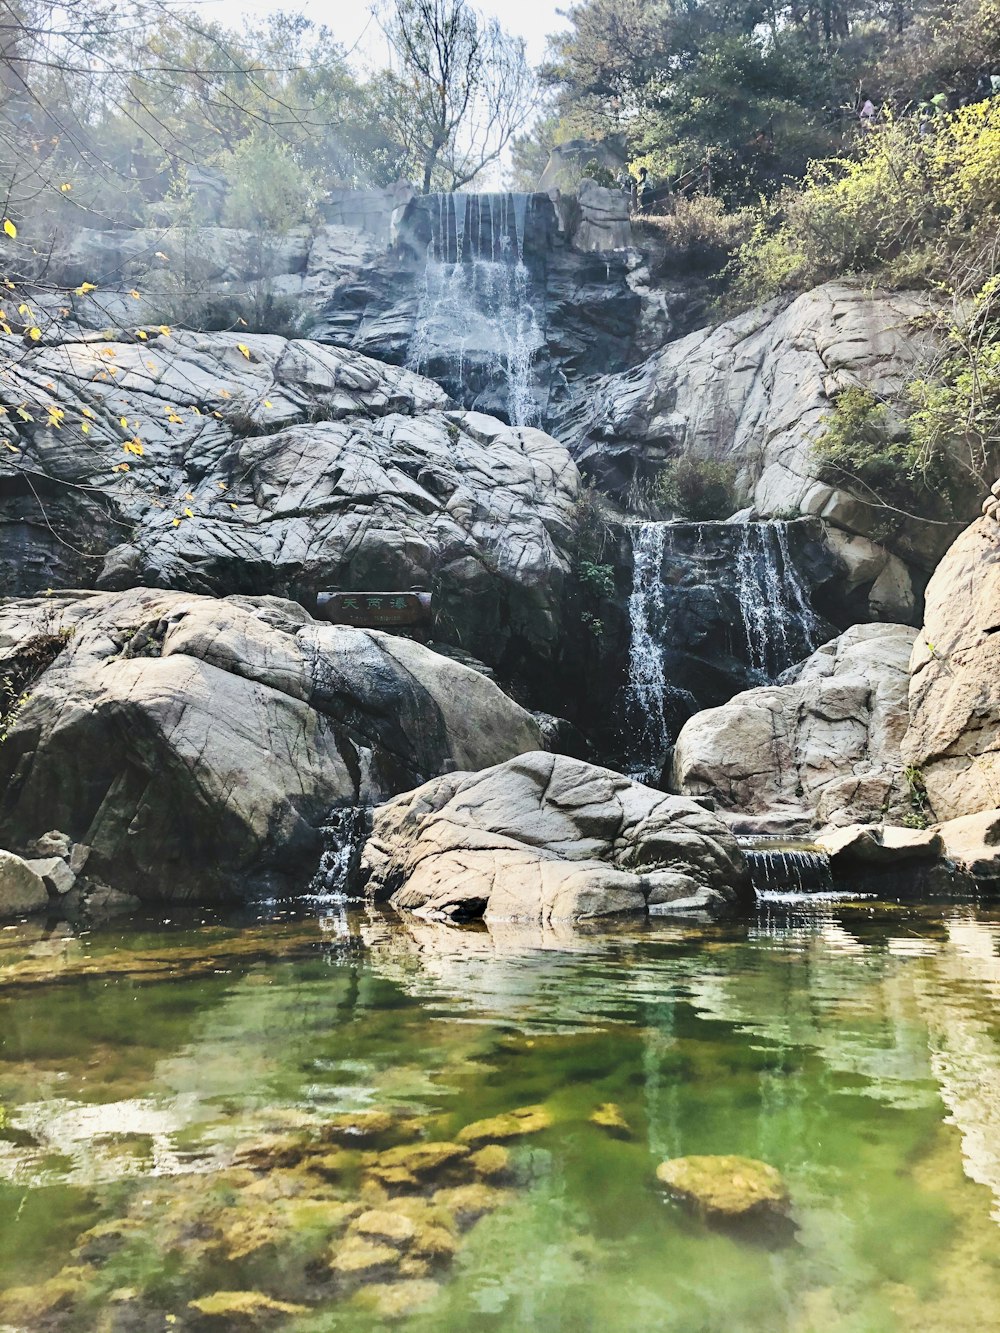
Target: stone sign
x=370 y=610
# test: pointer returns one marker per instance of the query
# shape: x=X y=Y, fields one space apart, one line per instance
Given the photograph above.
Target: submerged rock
x=507 y=1125
x=197 y=745
x=237 y=1309
x=547 y=837
x=726 y=1189
x=824 y=746
x=608 y=1116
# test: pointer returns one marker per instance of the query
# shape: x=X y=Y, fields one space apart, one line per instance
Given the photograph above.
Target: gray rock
x=824 y=746
x=197 y=745
x=56 y=875
x=973 y=843
x=21 y=890
x=78 y=857
x=240 y=488
x=53 y=843
x=879 y=845
x=545 y=837
x=954 y=733
x=756 y=391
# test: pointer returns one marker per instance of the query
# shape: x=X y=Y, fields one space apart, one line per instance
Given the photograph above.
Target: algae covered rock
x=507 y=1125
x=239 y=1309
x=397 y=1300
x=608 y=1116
x=727 y=1189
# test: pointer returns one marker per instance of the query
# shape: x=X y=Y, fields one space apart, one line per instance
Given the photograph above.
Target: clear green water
x=854 y=1048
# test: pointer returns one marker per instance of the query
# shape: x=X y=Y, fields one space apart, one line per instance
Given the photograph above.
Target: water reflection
x=853 y=1045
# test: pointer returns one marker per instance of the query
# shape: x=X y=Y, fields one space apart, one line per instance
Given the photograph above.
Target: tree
x=461 y=90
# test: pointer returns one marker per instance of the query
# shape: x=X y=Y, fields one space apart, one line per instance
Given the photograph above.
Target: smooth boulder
x=953 y=739
x=728 y=1190
x=544 y=838
x=197 y=745
x=22 y=889
x=824 y=746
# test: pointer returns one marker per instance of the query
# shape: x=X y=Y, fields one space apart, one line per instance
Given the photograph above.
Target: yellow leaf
x=242 y=347
x=224 y=393
x=123 y=421
x=87 y=412
x=85 y=427
x=222 y=486
x=177 y=522
x=165 y=330
x=7 y=445
x=196 y=410
x=34 y=334
x=133 y=447
x=108 y=351
x=140 y=333
x=134 y=294
x=189 y=511
x=66 y=186
x=188 y=495
x=231 y=505
x=268 y=403
x=24 y=309
x=5 y=326
x=173 y=417
x=25 y=416
x=9 y=227
x=86 y=287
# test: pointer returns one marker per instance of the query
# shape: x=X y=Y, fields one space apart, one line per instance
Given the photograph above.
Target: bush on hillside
x=699 y=489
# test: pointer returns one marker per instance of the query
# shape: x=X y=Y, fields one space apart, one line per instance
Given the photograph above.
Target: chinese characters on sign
x=374 y=609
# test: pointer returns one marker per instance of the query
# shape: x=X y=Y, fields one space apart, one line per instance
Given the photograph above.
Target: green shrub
x=268 y=190
x=698 y=233
x=597 y=579
x=697 y=488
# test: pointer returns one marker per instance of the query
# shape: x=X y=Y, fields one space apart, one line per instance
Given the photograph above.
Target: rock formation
x=954 y=733
x=824 y=746
x=198 y=745
x=545 y=837
x=281 y=467
x=755 y=391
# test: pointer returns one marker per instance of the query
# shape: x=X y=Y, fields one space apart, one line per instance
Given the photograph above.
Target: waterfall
x=476 y=319
x=649 y=690
x=782 y=866
x=779 y=624
x=343 y=840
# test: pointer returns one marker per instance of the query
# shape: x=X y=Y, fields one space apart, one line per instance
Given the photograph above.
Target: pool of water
x=168 y=1091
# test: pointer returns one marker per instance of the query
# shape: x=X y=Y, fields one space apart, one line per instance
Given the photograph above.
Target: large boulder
x=280 y=467
x=756 y=391
x=545 y=838
x=22 y=889
x=198 y=745
x=954 y=733
x=824 y=745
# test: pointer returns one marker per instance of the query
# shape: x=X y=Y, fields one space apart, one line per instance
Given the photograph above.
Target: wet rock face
x=954 y=733
x=548 y=838
x=283 y=469
x=197 y=745
x=824 y=745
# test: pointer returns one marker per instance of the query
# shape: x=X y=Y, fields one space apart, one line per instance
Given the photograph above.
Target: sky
x=350 y=20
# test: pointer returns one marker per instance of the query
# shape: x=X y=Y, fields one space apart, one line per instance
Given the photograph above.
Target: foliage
x=697 y=488
x=268 y=190
x=597 y=579
x=883 y=457
x=461 y=91
x=910 y=206
x=590 y=526
x=698 y=233
x=920 y=813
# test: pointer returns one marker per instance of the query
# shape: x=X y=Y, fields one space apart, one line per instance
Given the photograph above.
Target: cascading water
x=648 y=688
x=778 y=621
x=783 y=866
x=343 y=840
x=477 y=314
